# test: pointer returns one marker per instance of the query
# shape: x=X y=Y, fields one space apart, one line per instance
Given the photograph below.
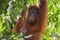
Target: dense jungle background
x=10 y=11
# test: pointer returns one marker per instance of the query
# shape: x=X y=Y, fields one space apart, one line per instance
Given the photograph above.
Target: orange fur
x=41 y=21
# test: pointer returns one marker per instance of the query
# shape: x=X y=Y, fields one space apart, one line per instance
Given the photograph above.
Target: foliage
x=10 y=11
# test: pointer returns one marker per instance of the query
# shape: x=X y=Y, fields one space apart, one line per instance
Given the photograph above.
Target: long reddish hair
x=39 y=25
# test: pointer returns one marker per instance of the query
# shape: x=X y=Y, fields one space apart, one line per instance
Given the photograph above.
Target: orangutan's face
x=33 y=14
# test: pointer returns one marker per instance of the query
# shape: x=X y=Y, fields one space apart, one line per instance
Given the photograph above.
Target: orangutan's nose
x=23 y=30
x=31 y=20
